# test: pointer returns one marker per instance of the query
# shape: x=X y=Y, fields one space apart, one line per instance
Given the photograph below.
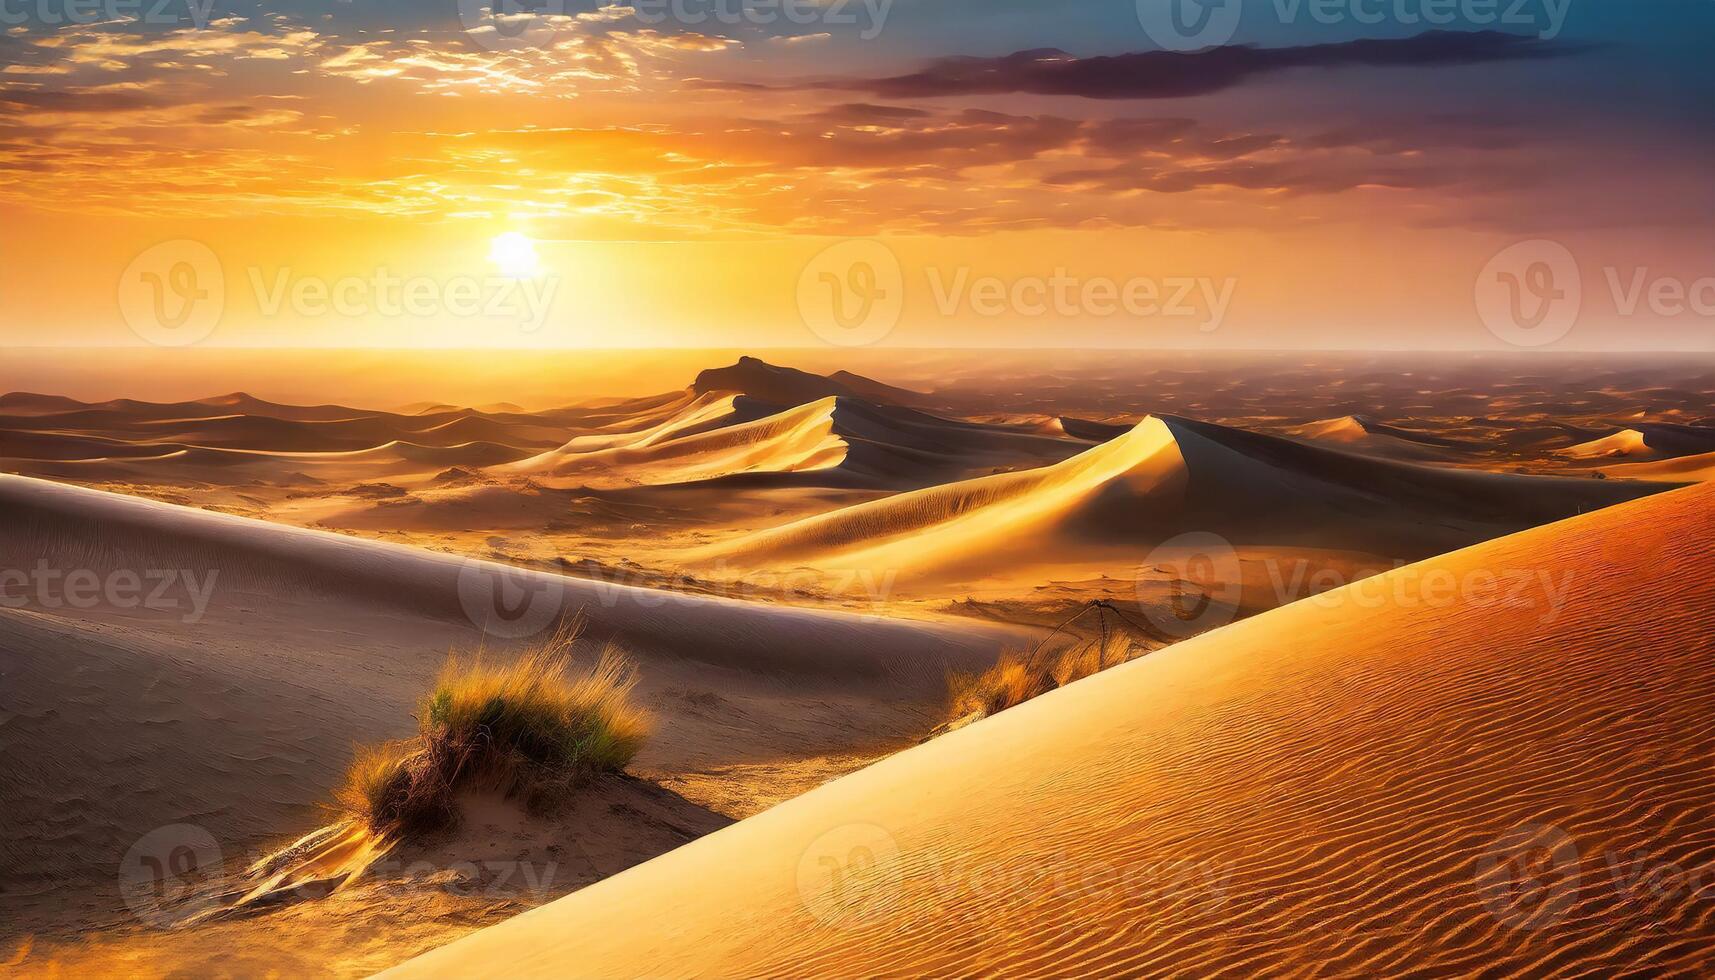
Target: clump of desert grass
x=531 y=728
x=1017 y=677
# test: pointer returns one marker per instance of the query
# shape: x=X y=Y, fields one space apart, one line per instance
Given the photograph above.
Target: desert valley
x=960 y=665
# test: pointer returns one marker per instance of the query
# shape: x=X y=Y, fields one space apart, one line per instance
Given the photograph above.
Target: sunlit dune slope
x=1363 y=434
x=1646 y=441
x=1171 y=475
x=1681 y=469
x=1381 y=782
x=833 y=441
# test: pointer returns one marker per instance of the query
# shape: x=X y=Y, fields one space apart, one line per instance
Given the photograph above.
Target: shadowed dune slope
x=1336 y=788
x=1171 y=475
x=75 y=528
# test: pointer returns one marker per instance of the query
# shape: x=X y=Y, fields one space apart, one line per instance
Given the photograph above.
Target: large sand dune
x=1393 y=779
x=123 y=716
x=1170 y=476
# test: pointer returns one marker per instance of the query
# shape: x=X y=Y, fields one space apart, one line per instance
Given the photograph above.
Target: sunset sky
x=667 y=174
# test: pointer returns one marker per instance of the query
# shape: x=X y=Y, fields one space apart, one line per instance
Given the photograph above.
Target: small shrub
x=528 y=728
x=1017 y=677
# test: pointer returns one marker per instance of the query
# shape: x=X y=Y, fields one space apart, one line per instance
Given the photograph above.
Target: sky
x=1273 y=174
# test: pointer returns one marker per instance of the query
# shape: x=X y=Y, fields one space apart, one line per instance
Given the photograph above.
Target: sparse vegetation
x=529 y=728
x=1018 y=677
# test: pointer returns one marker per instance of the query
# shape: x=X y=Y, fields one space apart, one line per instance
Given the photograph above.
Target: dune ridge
x=73 y=527
x=1170 y=475
x=1646 y=441
x=1334 y=788
x=838 y=440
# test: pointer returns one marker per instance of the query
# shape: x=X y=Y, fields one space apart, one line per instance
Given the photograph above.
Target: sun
x=515 y=253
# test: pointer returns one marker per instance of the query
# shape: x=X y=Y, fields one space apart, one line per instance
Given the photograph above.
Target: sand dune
x=1343 y=787
x=168 y=463
x=1065 y=425
x=1363 y=434
x=121 y=718
x=1169 y=476
x=77 y=528
x=1680 y=469
x=1646 y=441
x=833 y=441
x=789 y=386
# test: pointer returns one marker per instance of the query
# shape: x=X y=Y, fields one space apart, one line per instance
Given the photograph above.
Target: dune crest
x=1646 y=441
x=1168 y=476
x=841 y=440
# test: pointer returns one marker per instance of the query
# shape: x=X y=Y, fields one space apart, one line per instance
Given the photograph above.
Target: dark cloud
x=72 y=100
x=1172 y=74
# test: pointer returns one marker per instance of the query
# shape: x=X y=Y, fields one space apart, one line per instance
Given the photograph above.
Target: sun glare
x=515 y=254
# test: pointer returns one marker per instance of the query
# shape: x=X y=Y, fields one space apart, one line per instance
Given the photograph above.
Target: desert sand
x=796 y=558
x=122 y=720
x=1333 y=788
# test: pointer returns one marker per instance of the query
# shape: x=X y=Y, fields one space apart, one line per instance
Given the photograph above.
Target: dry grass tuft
x=528 y=728
x=1017 y=678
